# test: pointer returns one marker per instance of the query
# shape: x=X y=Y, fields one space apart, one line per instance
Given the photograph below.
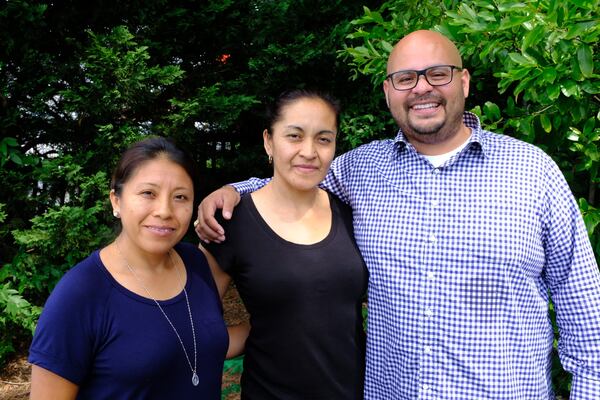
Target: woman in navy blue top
x=140 y=318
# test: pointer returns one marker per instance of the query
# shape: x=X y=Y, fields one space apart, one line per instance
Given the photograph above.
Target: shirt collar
x=476 y=142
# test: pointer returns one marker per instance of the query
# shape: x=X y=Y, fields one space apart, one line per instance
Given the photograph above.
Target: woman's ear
x=114 y=201
x=267 y=143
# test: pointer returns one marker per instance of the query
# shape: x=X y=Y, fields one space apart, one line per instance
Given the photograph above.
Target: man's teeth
x=424 y=106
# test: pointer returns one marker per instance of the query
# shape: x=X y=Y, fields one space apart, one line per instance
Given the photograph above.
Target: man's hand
x=206 y=226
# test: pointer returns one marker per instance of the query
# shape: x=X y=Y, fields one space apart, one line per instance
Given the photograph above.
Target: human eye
x=293 y=136
x=438 y=73
x=181 y=197
x=402 y=79
x=325 y=139
x=147 y=193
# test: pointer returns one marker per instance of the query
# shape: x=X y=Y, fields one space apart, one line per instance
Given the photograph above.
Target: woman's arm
x=222 y=279
x=46 y=385
x=237 y=333
x=237 y=339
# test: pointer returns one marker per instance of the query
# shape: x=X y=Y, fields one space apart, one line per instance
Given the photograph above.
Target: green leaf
x=10 y=141
x=557 y=121
x=586 y=61
x=387 y=46
x=510 y=6
x=533 y=37
x=577 y=112
x=476 y=110
x=577 y=29
x=546 y=124
x=491 y=110
x=469 y=11
x=520 y=59
x=560 y=16
x=591 y=220
x=376 y=16
x=591 y=87
x=16 y=158
x=549 y=74
x=569 y=88
x=513 y=21
x=589 y=126
x=583 y=204
x=553 y=91
x=519 y=73
x=526 y=82
x=574 y=134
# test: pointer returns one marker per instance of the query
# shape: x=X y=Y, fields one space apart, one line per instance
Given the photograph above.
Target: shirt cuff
x=249 y=185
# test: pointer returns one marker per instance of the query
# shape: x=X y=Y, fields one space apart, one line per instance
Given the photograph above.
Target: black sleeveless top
x=307 y=340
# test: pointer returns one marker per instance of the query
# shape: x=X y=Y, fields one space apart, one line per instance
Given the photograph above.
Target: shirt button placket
x=426 y=389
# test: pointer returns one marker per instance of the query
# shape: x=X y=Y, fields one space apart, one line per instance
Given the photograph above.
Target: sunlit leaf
x=574 y=134
x=569 y=88
x=520 y=59
x=510 y=6
x=545 y=122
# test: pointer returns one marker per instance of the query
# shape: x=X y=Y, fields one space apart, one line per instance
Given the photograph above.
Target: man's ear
x=386 y=88
x=466 y=80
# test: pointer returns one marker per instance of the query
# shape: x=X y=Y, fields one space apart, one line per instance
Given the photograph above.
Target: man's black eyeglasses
x=438 y=75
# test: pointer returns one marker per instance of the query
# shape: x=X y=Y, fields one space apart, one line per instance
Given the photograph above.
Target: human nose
x=163 y=207
x=423 y=84
x=308 y=149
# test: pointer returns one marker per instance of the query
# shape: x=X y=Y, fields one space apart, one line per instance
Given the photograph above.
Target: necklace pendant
x=195 y=379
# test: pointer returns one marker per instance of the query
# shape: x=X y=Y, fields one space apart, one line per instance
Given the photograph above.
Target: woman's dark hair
x=146 y=150
x=274 y=112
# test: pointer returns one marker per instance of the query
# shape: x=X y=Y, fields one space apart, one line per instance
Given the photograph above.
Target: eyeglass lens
x=436 y=76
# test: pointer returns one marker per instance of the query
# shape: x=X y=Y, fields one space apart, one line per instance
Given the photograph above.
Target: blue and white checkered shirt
x=462 y=261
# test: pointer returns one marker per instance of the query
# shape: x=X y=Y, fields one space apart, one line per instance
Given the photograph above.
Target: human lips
x=160 y=230
x=424 y=106
x=427 y=103
x=306 y=168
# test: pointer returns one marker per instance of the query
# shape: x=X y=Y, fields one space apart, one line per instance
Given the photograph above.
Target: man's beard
x=430 y=133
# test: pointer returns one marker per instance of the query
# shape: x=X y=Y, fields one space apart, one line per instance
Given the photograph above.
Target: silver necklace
x=195 y=379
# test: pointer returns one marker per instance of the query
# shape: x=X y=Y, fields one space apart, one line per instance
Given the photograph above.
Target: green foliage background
x=79 y=84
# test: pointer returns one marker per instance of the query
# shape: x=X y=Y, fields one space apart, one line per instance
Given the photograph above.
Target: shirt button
x=432 y=238
x=427 y=349
x=430 y=275
x=428 y=312
x=435 y=171
x=426 y=388
x=435 y=203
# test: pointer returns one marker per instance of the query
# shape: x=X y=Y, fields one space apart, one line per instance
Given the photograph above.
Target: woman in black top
x=291 y=252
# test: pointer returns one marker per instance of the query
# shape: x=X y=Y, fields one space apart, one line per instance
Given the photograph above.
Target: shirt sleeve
x=339 y=178
x=574 y=280
x=250 y=185
x=63 y=340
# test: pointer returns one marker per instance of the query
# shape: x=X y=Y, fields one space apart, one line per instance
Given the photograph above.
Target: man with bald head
x=467 y=235
x=431 y=120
